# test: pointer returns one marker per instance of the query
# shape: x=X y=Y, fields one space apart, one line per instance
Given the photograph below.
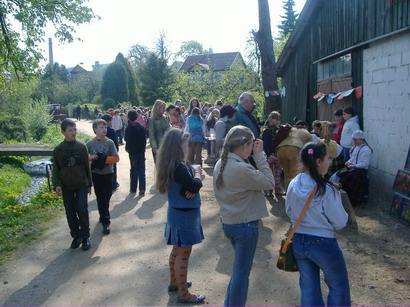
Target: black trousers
x=103 y=191
x=76 y=209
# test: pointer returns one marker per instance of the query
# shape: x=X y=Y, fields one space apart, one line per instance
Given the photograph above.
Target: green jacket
x=246 y=119
x=157 y=129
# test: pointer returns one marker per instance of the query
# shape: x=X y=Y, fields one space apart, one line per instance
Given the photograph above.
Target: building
x=216 y=62
x=342 y=45
x=76 y=71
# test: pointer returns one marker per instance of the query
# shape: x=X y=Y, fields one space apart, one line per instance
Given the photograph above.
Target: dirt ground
x=129 y=267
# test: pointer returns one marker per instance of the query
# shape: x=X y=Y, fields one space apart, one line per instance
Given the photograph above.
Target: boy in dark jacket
x=72 y=179
x=136 y=140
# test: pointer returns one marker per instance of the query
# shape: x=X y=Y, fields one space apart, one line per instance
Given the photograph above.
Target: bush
x=37 y=118
x=109 y=103
x=97 y=99
x=12 y=128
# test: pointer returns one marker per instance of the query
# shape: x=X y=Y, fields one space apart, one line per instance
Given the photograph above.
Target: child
x=351 y=125
x=112 y=136
x=117 y=125
x=183 y=228
x=103 y=155
x=136 y=140
x=337 y=133
x=196 y=128
x=314 y=244
x=72 y=179
x=316 y=125
x=268 y=138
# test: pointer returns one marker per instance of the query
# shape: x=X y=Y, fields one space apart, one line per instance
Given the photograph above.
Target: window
x=336 y=67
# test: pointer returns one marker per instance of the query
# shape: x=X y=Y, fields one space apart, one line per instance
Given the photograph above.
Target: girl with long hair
x=238 y=190
x=314 y=245
x=158 y=125
x=183 y=228
x=194 y=103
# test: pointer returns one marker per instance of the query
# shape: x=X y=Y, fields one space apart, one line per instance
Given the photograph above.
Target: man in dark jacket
x=112 y=136
x=244 y=109
x=136 y=140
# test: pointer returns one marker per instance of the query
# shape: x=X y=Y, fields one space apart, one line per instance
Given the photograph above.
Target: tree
x=115 y=83
x=22 y=28
x=268 y=65
x=289 y=19
x=133 y=97
x=138 y=54
x=253 y=54
x=189 y=48
x=161 y=47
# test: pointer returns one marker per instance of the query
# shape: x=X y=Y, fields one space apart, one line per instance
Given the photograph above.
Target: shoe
x=172 y=288
x=86 y=244
x=106 y=229
x=194 y=299
x=76 y=243
x=142 y=193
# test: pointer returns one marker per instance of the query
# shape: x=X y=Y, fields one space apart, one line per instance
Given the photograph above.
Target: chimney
x=50 y=51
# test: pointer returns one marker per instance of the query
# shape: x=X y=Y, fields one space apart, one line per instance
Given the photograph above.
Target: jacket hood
x=302 y=186
x=353 y=119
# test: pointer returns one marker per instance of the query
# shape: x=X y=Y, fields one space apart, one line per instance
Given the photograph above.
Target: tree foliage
x=288 y=19
x=22 y=29
x=137 y=54
x=115 y=83
x=133 y=97
x=189 y=48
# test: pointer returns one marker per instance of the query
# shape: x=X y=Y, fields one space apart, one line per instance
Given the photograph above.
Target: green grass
x=54 y=136
x=13 y=181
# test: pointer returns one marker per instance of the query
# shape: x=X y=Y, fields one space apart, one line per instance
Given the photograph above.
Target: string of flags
x=280 y=92
x=330 y=98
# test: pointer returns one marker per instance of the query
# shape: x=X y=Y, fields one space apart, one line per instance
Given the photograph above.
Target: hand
x=349 y=164
x=93 y=157
x=189 y=195
x=257 y=146
x=59 y=190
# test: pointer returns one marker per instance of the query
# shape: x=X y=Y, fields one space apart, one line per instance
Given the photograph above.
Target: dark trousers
x=76 y=209
x=137 y=172
x=114 y=177
x=119 y=135
x=103 y=191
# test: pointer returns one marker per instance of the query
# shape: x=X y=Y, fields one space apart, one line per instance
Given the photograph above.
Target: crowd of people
x=253 y=161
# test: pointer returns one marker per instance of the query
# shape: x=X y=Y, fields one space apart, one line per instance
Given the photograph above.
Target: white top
x=360 y=156
x=116 y=122
x=350 y=126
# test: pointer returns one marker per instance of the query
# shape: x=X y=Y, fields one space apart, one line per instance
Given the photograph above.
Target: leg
x=277 y=173
x=198 y=153
x=82 y=212
x=114 y=178
x=172 y=276
x=294 y=163
x=191 y=153
x=245 y=238
x=133 y=173
x=107 y=179
x=284 y=163
x=141 y=172
x=70 y=211
x=347 y=205
x=99 y=194
x=181 y=270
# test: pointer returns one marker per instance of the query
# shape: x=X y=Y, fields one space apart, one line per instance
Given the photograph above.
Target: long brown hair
x=169 y=154
x=158 y=104
x=236 y=137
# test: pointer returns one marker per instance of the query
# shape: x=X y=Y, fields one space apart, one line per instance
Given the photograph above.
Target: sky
x=222 y=25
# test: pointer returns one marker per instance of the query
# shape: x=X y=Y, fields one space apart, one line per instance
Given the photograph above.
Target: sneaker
x=86 y=244
x=142 y=193
x=193 y=299
x=106 y=229
x=76 y=243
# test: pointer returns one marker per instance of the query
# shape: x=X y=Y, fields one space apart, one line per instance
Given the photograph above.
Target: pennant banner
x=339 y=96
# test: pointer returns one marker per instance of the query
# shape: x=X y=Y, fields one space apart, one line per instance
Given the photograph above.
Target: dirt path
x=129 y=267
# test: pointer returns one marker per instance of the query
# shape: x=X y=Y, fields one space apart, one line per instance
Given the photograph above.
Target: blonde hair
x=236 y=137
x=326 y=131
x=158 y=104
x=170 y=153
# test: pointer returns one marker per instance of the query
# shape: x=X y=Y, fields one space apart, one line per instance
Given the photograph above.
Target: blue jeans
x=244 y=238
x=318 y=253
x=118 y=133
x=137 y=172
x=76 y=209
x=346 y=154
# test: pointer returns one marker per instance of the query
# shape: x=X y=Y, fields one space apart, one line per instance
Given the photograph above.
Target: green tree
x=115 y=83
x=133 y=97
x=22 y=29
x=137 y=54
x=289 y=19
x=189 y=48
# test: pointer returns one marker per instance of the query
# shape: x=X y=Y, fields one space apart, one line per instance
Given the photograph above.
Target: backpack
x=283 y=133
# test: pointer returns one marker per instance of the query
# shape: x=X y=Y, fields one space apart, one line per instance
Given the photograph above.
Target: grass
x=54 y=136
x=13 y=181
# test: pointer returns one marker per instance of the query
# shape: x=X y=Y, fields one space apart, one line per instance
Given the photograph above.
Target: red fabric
x=359 y=92
x=337 y=134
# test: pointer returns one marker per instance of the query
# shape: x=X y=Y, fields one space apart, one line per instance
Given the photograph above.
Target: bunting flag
x=341 y=95
x=358 y=92
x=345 y=94
x=271 y=93
x=318 y=95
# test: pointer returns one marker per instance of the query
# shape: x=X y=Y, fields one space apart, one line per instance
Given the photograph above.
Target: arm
x=56 y=179
x=333 y=209
x=363 y=160
x=184 y=178
x=87 y=168
x=112 y=156
x=152 y=140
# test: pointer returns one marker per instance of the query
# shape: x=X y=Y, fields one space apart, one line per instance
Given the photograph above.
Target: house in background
x=216 y=62
x=338 y=45
x=76 y=71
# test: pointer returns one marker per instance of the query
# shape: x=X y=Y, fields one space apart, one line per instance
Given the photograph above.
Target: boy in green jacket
x=72 y=180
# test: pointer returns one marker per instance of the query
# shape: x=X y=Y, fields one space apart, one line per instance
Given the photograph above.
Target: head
x=178 y=103
x=247 y=101
x=132 y=115
x=173 y=149
x=227 y=111
x=239 y=141
x=158 y=108
x=338 y=116
x=108 y=119
x=68 y=129
x=316 y=162
x=100 y=127
x=170 y=108
x=117 y=112
x=348 y=113
x=300 y=124
x=273 y=119
x=178 y=110
x=215 y=113
x=326 y=130
x=194 y=103
x=219 y=104
x=317 y=125
x=358 y=138
x=196 y=112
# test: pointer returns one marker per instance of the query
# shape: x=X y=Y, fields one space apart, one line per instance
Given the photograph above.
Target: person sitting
x=353 y=179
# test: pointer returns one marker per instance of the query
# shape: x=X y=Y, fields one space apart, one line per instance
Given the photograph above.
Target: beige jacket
x=241 y=198
x=297 y=138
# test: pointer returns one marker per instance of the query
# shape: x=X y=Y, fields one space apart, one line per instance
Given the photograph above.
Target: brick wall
x=386 y=108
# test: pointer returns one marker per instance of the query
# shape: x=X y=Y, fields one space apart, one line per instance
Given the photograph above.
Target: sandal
x=192 y=299
x=172 y=288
